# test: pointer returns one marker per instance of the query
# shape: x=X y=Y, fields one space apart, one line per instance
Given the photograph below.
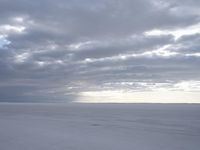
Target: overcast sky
x=100 y=50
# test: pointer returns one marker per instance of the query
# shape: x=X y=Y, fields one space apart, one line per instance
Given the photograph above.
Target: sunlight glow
x=180 y=92
x=138 y=97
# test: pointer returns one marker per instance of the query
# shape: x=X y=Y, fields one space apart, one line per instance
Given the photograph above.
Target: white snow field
x=99 y=127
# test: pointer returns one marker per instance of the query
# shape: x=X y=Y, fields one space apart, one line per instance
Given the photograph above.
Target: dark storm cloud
x=60 y=48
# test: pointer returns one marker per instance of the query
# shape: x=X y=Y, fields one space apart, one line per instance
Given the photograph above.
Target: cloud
x=56 y=50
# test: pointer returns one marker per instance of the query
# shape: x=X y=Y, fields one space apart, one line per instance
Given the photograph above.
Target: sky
x=100 y=51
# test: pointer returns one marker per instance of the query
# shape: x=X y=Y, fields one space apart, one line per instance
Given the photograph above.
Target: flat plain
x=99 y=126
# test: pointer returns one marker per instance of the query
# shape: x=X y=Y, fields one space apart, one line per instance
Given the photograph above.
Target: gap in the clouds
x=3 y=41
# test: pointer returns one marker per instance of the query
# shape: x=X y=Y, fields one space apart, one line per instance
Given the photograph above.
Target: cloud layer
x=57 y=50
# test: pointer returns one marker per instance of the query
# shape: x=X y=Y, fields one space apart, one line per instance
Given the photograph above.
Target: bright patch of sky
x=3 y=41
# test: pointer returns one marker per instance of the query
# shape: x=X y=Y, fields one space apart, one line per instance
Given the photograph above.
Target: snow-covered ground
x=99 y=127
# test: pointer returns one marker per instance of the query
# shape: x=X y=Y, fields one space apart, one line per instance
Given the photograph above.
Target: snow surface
x=99 y=127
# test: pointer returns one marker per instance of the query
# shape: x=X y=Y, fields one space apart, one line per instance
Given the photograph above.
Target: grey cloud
x=53 y=70
x=189 y=44
x=123 y=46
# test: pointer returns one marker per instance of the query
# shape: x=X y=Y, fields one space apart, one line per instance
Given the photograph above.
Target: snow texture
x=99 y=127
